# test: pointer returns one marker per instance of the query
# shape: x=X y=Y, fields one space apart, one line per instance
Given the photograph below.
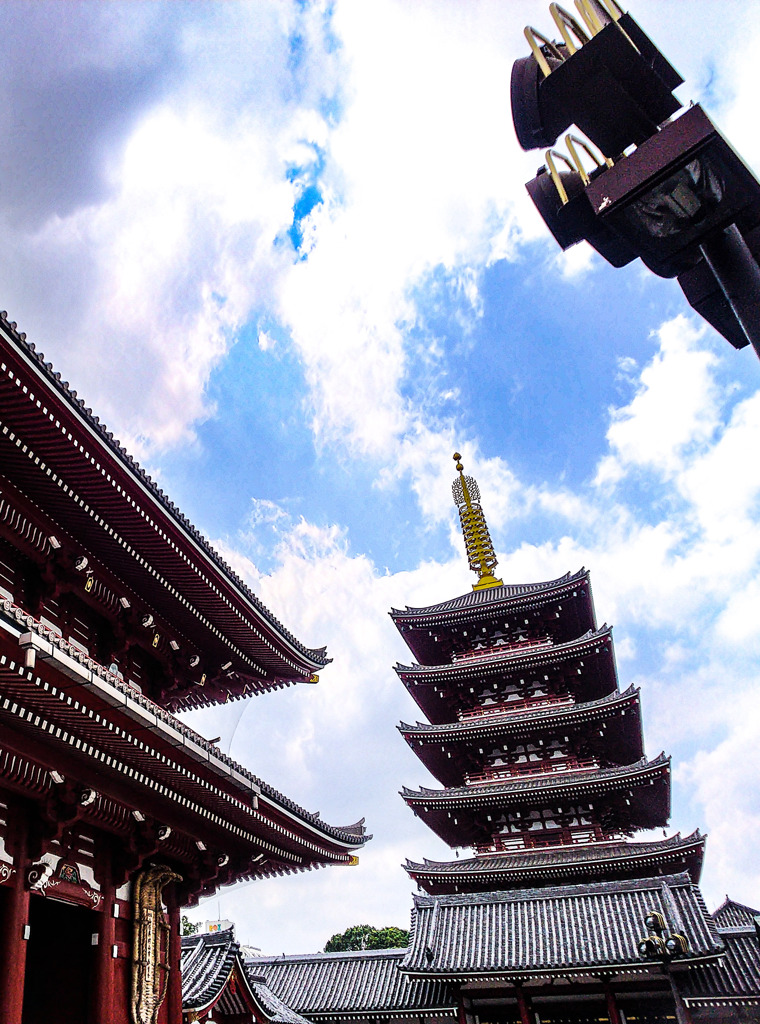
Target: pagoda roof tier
x=443 y=749
x=594 y=861
x=107 y=508
x=586 y=666
x=638 y=794
x=564 y=606
x=573 y=929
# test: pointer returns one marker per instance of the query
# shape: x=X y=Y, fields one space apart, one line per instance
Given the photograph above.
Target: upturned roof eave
x=121 y=462
x=509 y=656
x=549 y=782
x=515 y=720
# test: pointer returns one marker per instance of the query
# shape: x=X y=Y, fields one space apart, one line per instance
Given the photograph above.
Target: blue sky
x=285 y=252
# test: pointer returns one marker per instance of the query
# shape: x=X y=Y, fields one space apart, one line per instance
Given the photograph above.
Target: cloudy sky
x=284 y=250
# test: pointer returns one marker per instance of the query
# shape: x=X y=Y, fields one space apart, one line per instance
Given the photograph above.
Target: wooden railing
x=547 y=839
x=549 y=766
x=524 y=704
x=499 y=649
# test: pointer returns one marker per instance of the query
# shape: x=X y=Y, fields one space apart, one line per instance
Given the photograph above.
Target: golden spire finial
x=477 y=539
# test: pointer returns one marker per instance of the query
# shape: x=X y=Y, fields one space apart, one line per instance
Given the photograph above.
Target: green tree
x=188 y=928
x=364 y=936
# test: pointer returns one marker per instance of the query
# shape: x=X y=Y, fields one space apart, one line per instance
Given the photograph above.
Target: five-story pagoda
x=539 y=752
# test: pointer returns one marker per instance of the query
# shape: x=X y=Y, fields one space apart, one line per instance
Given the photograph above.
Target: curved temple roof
x=332 y=986
x=575 y=929
x=61 y=447
x=516 y=594
x=56 y=654
x=600 y=780
x=623 y=859
x=214 y=975
x=519 y=722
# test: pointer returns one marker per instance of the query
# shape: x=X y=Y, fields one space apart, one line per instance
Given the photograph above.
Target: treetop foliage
x=364 y=936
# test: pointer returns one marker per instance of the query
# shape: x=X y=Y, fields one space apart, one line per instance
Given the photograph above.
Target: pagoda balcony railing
x=547 y=767
x=499 y=648
x=547 y=839
x=513 y=706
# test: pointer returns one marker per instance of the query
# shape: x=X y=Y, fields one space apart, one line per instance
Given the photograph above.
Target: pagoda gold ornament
x=150 y=970
x=477 y=539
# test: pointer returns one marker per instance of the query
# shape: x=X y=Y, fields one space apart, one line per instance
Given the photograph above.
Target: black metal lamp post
x=659 y=944
x=673 y=193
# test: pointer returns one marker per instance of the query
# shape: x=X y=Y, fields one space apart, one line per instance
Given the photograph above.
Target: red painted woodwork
x=523 y=1005
x=15 y=919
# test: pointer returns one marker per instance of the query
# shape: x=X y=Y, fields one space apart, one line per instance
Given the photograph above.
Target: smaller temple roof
x=505 y=870
x=558 y=930
x=736 y=978
x=731 y=914
x=213 y=973
x=325 y=986
x=610 y=729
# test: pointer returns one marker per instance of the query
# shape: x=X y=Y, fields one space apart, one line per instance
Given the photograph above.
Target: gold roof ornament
x=477 y=539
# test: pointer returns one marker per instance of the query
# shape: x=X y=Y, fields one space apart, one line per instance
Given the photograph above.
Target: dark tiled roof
x=565 y=929
x=509 y=658
x=208 y=962
x=273 y=1006
x=598 y=780
x=70 y=399
x=517 y=720
x=323 y=985
x=557 y=857
x=491 y=596
x=734 y=915
x=737 y=976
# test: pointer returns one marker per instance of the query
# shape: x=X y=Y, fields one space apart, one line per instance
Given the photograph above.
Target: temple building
x=540 y=754
x=115 y=613
x=559 y=915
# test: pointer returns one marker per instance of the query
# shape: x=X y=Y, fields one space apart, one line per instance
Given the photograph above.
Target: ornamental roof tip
x=70 y=395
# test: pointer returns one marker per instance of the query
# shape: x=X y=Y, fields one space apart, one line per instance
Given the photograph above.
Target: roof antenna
x=477 y=539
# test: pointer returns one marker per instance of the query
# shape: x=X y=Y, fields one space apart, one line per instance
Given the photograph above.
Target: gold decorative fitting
x=150 y=967
x=568 y=28
x=477 y=539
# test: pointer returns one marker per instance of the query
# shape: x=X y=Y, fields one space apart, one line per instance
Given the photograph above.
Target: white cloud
x=674 y=409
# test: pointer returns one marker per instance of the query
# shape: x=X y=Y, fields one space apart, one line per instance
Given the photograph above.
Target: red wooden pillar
x=612 y=1007
x=13 y=937
x=523 y=1005
x=103 y=996
x=174 y=956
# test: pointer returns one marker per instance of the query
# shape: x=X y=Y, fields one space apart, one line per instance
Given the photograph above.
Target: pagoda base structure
x=114 y=614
